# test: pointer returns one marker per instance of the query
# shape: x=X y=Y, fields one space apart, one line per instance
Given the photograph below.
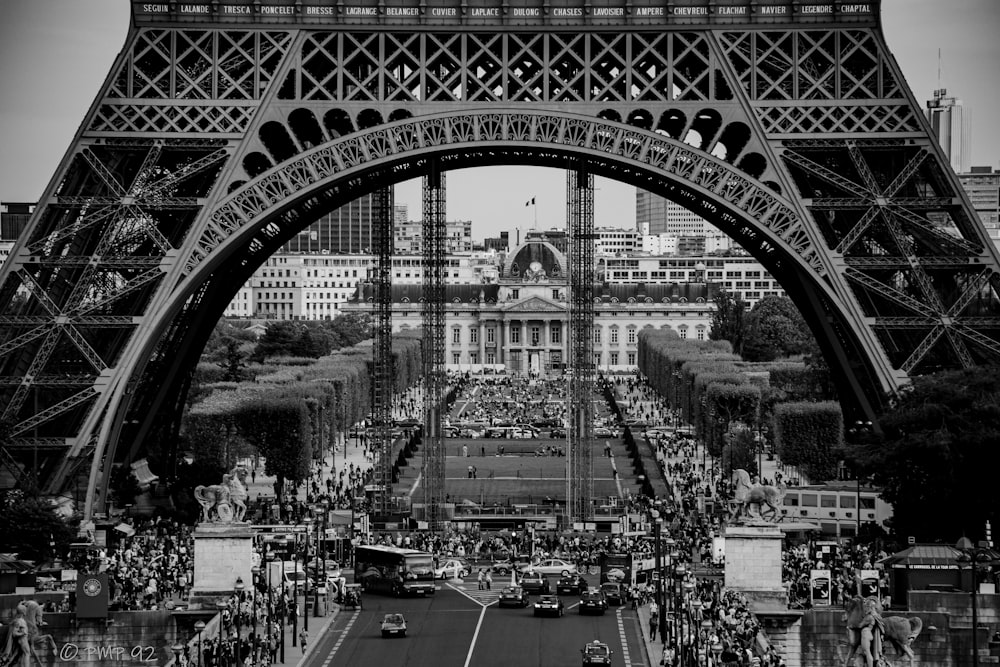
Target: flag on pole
x=530 y=202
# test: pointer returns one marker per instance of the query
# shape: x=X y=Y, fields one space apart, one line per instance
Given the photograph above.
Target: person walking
x=489 y=580
x=654 y=618
x=303 y=638
x=482 y=579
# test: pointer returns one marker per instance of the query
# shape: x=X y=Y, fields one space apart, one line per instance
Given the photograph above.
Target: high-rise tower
x=950 y=123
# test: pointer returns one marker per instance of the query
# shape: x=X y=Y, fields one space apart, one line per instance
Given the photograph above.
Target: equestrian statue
x=748 y=495
x=226 y=502
x=866 y=630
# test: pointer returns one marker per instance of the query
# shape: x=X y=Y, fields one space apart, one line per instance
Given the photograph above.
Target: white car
x=451 y=569
x=551 y=566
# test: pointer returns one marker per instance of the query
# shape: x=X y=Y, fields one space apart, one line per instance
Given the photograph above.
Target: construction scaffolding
x=433 y=311
x=382 y=389
x=580 y=458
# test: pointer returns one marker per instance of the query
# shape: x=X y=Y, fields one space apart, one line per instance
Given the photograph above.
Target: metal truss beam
x=433 y=316
x=382 y=385
x=580 y=457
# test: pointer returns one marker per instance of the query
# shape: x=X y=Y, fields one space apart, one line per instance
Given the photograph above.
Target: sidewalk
x=654 y=648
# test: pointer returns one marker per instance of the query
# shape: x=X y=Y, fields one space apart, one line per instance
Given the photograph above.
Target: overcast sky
x=55 y=54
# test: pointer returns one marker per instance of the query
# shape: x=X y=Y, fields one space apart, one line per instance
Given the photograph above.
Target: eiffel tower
x=225 y=127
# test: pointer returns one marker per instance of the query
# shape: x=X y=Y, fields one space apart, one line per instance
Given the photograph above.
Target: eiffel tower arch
x=224 y=128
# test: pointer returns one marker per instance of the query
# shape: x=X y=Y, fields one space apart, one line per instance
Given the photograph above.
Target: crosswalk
x=471 y=591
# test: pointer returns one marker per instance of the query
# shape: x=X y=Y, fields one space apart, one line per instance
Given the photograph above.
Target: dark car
x=557 y=433
x=571 y=584
x=535 y=583
x=592 y=600
x=596 y=653
x=549 y=605
x=614 y=593
x=513 y=596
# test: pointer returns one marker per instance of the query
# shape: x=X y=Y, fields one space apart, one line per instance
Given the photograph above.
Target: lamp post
x=222 y=626
x=657 y=524
x=177 y=649
x=706 y=629
x=321 y=556
x=305 y=568
x=236 y=617
x=973 y=557
x=199 y=626
x=717 y=651
x=255 y=571
x=680 y=571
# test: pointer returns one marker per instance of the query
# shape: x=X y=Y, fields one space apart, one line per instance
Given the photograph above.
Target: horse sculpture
x=748 y=495
x=866 y=629
x=226 y=501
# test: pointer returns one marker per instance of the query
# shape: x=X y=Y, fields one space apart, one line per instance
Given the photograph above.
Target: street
x=461 y=626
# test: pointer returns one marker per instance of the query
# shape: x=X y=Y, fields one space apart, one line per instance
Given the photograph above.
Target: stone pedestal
x=753 y=562
x=223 y=552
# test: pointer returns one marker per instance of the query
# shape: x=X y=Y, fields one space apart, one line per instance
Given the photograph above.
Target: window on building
x=456 y=335
x=491 y=333
x=597 y=335
x=847 y=502
x=474 y=335
x=809 y=500
x=683 y=332
x=631 y=358
x=868 y=502
x=631 y=334
x=515 y=333
x=515 y=294
x=701 y=334
x=473 y=357
x=555 y=294
x=456 y=358
x=536 y=334
x=555 y=334
x=614 y=358
x=491 y=358
x=827 y=500
x=614 y=336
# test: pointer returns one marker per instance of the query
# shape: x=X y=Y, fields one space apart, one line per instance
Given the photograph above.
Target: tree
x=728 y=320
x=774 y=328
x=32 y=528
x=936 y=461
x=232 y=364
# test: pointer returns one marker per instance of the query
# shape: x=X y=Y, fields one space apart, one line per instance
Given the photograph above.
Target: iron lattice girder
x=382 y=386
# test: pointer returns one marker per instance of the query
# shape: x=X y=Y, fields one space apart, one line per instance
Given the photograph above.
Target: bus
x=394 y=570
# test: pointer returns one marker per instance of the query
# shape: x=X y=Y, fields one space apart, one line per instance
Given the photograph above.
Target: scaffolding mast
x=580 y=459
x=382 y=389
x=434 y=256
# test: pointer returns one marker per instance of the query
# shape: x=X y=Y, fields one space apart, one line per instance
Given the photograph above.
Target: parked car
x=452 y=568
x=535 y=582
x=614 y=593
x=593 y=600
x=596 y=653
x=518 y=433
x=557 y=433
x=605 y=432
x=450 y=431
x=513 y=596
x=393 y=624
x=553 y=566
x=549 y=604
x=571 y=584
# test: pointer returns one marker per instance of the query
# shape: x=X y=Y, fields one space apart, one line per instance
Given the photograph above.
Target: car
x=535 y=582
x=549 y=604
x=596 y=653
x=552 y=566
x=505 y=567
x=571 y=584
x=393 y=624
x=450 y=431
x=452 y=568
x=593 y=600
x=604 y=432
x=614 y=593
x=519 y=433
x=513 y=596
x=557 y=433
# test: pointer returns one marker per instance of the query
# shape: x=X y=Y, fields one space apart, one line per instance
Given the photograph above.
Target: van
x=293 y=578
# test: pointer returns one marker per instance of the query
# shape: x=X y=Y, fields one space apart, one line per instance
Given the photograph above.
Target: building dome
x=535 y=261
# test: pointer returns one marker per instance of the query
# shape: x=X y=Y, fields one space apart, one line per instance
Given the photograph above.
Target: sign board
x=869 y=583
x=92 y=595
x=819 y=587
x=826 y=551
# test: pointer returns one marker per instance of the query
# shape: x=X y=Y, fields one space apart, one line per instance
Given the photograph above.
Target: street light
x=223 y=606
x=236 y=616
x=177 y=649
x=255 y=572
x=973 y=557
x=305 y=567
x=199 y=626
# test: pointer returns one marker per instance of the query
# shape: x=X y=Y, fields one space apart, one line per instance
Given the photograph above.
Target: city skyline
x=69 y=47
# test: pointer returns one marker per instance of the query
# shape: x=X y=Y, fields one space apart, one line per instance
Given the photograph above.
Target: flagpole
x=535 y=207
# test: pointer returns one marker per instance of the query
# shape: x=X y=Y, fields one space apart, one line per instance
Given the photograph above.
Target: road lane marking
x=343 y=636
x=481 y=597
x=622 y=638
x=575 y=604
x=475 y=636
